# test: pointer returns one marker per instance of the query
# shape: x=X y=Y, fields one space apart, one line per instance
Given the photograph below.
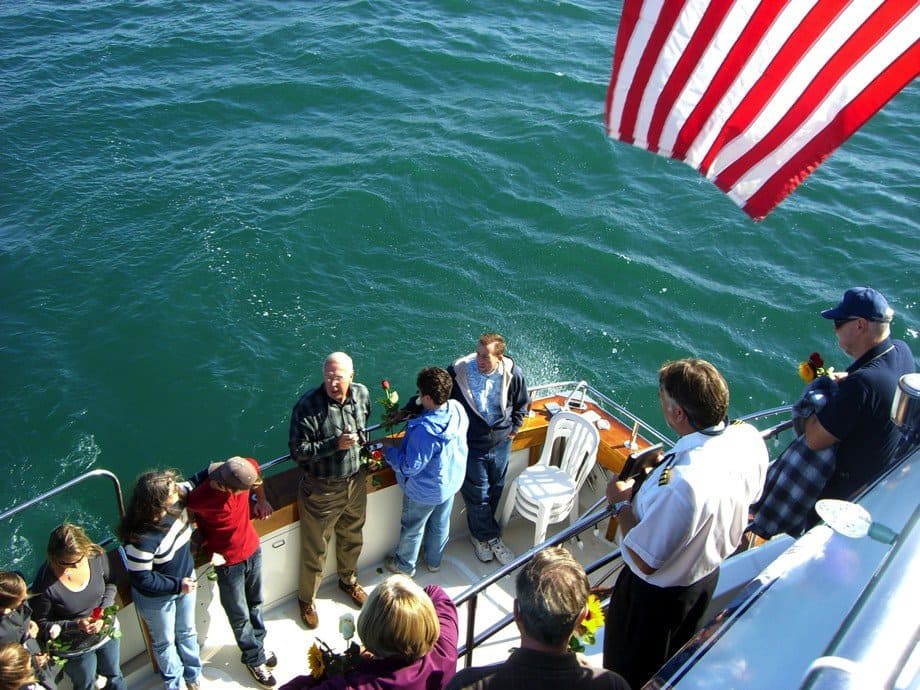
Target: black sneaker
x=262 y=676
x=271 y=660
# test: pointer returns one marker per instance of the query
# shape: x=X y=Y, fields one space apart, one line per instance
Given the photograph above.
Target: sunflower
x=595 y=617
x=316 y=661
x=585 y=632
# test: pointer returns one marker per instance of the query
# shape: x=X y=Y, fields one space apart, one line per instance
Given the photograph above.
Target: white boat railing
x=64 y=487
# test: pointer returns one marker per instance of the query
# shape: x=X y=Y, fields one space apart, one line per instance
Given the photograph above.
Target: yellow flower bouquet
x=813 y=368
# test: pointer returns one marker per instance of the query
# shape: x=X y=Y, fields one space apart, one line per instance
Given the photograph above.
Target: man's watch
x=619 y=506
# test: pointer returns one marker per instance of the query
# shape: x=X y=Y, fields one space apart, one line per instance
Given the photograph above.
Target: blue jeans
x=240 y=588
x=82 y=670
x=171 y=620
x=422 y=524
x=482 y=488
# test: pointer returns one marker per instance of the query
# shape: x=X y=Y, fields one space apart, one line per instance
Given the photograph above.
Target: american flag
x=755 y=94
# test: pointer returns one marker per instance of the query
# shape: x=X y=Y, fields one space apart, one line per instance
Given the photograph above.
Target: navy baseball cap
x=863 y=303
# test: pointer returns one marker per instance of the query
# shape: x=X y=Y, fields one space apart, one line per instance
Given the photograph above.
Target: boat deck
x=289 y=639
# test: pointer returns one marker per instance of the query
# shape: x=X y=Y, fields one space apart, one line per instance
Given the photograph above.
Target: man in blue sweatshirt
x=430 y=465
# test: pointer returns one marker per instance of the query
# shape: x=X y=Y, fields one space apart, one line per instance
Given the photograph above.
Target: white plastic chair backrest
x=581 y=442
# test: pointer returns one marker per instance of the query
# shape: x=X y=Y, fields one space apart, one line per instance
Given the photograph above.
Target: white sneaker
x=482 y=549
x=502 y=552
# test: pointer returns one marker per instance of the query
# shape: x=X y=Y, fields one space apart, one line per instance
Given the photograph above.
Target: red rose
x=376 y=454
x=385 y=384
x=816 y=361
x=97 y=613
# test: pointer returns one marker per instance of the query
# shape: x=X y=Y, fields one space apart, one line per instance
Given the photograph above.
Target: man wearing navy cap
x=859 y=415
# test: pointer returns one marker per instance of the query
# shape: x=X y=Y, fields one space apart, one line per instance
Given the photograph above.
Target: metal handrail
x=66 y=485
x=619 y=410
x=470 y=595
x=769 y=412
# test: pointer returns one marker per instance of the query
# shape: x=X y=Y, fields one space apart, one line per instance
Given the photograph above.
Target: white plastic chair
x=546 y=494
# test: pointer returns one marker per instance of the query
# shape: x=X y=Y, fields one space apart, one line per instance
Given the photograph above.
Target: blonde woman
x=410 y=638
x=16 y=668
x=74 y=581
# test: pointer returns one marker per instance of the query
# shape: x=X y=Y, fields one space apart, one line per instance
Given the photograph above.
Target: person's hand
x=89 y=626
x=188 y=585
x=347 y=440
x=41 y=660
x=618 y=490
x=33 y=628
x=262 y=509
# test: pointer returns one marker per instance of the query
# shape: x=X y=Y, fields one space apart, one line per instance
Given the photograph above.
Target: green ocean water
x=199 y=201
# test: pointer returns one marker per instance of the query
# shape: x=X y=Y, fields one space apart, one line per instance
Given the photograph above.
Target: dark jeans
x=240 y=587
x=482 y=488
x=82 y=670
x=646 y=624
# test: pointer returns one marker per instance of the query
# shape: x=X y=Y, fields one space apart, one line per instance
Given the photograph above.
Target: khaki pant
x=326 y=506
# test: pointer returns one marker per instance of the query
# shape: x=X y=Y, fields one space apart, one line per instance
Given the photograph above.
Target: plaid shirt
x=317 y=421
x=794 y=482
x=797 y=477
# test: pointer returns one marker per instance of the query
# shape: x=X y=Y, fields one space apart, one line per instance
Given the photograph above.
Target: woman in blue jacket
x=430 y=465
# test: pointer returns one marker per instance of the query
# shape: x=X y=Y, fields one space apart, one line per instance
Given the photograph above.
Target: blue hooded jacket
x=430 y=464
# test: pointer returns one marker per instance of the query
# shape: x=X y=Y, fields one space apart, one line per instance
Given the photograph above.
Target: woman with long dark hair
x=155 y=531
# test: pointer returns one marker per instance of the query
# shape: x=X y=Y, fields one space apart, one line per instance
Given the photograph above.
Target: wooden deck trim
x=281 y=488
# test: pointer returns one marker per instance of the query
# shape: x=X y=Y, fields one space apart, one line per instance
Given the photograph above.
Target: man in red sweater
x=220 y=502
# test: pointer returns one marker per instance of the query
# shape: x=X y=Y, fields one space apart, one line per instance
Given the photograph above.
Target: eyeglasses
x=840 y=323
x=72 y=565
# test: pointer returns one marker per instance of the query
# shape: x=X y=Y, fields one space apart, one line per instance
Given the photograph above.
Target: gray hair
x=339 y=358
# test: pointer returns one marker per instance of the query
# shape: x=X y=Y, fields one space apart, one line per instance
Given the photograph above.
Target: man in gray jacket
x=492 y=390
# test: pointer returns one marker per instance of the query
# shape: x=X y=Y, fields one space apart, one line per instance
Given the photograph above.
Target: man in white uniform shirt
x=686 y=518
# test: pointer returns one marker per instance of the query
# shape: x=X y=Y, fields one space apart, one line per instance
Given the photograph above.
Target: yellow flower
x=806 y=372
x=315 y=661
x=595 y=617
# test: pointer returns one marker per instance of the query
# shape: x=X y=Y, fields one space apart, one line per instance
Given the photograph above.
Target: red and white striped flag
x=755 y=94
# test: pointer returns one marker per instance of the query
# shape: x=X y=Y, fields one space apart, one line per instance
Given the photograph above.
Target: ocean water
x=199 y=201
